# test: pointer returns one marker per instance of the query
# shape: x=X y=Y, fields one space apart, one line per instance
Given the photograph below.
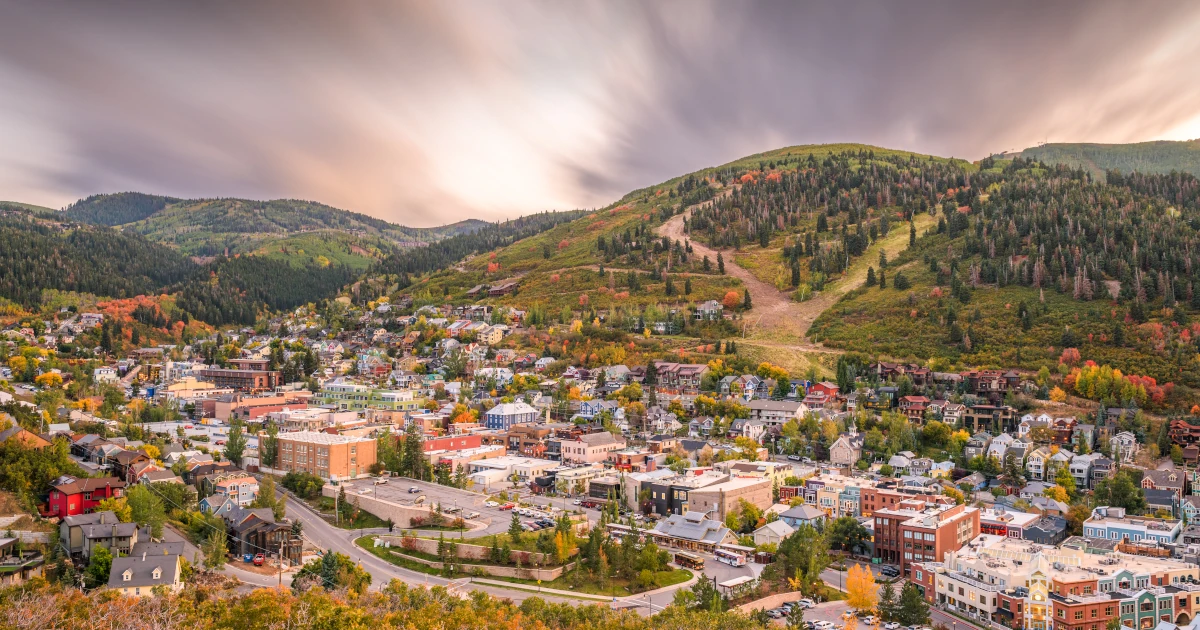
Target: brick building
x=326 y=455
x=918 y=530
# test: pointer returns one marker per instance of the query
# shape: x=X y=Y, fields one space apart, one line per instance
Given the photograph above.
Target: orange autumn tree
x=731 y=300
x=861 y=593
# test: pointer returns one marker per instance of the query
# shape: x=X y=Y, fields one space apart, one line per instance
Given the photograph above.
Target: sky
x=425 y=113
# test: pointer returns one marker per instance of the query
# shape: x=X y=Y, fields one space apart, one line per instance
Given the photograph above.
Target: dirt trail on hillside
x=774 y=313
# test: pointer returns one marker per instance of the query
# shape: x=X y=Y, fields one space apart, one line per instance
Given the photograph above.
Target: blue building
x=505 y=415
x=1113 y=524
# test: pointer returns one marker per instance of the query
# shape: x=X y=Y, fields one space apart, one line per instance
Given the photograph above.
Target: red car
x=507 y=506
x=259 y=560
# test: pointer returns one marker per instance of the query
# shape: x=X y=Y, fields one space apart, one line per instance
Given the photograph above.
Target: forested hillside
x=1159 y=157
x=116 y=209
x=1037 y=261
x=36 y=255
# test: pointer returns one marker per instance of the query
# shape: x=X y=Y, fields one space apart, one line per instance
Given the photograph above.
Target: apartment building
x=922 y=530
x=243 y=380
x=347 y=395
x=1025 y=585
x=1114 y=524
x=591 y=448
x=326 y=455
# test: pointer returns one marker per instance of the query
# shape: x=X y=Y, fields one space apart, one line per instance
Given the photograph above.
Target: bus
x=733 y=555
x=689 y=560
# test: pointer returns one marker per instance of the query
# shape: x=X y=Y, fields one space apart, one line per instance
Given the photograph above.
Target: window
x=1078 y=615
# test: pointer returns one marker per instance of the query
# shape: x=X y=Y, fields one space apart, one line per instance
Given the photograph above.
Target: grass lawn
x=364 y=519
x=582 y=583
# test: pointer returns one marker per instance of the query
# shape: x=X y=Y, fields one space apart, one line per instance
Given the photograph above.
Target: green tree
x=847 y=534
x=146 y=509
x=214 y=550
x=235 y=443
x=332 y=571
x=889 y=606
x=96 y=574
x=268 y=446
x=514 y=529
x=914 y=610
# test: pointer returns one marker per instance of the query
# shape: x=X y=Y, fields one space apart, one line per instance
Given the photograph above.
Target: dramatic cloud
x=428 y=112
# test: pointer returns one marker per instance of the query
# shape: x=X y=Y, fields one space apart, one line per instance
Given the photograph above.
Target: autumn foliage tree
x=731 y=300
x=861 y=593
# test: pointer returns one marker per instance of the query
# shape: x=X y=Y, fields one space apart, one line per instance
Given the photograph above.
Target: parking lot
x=396 y=490
x=214 y=432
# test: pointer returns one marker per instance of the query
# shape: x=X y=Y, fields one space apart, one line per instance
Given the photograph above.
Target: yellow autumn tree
x=49 y=379
x=861 y=593
x=1058 y=493
x=1058 y=395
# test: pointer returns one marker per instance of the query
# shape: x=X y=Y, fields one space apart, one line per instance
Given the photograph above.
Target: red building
x=80 y=496
x=450 y=443
x=919 y=530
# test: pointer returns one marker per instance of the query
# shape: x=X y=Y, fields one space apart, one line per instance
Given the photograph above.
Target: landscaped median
x=524 y=569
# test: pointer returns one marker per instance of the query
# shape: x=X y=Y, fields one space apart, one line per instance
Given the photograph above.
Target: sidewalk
x=548 y=591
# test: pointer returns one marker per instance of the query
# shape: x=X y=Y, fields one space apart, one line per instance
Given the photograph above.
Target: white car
x=891 y=625
x=491 y=504
x=576 y=502
x=870 y=620
x=806 y=603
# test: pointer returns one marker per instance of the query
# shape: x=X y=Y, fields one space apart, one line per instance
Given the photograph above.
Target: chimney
x=114 y=531
x=143 y=556
x=102 y=518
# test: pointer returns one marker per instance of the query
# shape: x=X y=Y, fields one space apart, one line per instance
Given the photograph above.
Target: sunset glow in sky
x=425 y=113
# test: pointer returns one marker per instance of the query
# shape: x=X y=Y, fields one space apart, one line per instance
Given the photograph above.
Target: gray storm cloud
x=424 y=113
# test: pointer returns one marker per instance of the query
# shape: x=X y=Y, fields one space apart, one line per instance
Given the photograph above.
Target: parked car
x=414 y=490
x=507 y=506
x=470 y=515
x=806 y=603
x=775 y=613
x=871 y=620
x=891 y=625
x=259 y=560
x=381 y=481
x=889 y=571
x=794 y=458
x=249 y=557
x=848 y=615
x=491 y=504
x=576 y=502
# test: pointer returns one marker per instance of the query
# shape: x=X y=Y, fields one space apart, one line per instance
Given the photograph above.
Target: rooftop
x=318 y=437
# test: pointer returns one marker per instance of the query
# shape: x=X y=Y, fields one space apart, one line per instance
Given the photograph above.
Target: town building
x=243 y=380
x=326 y=455
x=1114 y=524
x=591 y=448
x=917 y=530
x=504 y=415
x=70 y=496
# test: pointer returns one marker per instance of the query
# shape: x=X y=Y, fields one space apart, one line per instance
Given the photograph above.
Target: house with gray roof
x=139 y=575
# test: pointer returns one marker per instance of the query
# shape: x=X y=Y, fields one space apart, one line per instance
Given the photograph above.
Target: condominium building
x=357 y=396
x=326 y=455
x=924 y=529
x=1025 y=585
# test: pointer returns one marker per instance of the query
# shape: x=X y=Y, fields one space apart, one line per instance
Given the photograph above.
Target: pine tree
x=746 y=300
x=687 y=286
x=914 y=610
x=870 y=276
x=720 y=263
x=515 y=530
x=889 y=608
